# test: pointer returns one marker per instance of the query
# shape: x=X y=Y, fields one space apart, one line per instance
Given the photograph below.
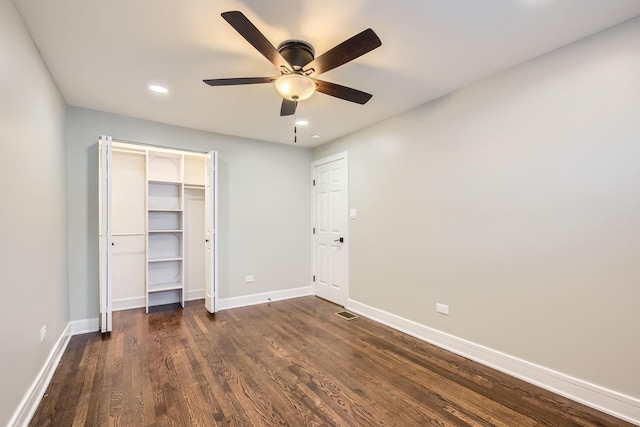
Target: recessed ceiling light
x=315 y=136
x=302 y=122
x=158 y=89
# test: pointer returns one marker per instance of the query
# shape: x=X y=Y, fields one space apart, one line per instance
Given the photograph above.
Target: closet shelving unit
x=165 y=225
x=160 y=205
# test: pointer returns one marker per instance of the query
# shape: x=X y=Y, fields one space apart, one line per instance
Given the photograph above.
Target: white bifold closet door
x=211 y=231
x=104 y=237
x=123 y=230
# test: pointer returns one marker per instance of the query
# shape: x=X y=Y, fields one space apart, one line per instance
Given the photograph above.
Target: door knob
x=341 y=240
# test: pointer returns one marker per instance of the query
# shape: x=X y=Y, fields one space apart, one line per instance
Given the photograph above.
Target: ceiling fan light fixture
x=295 y=87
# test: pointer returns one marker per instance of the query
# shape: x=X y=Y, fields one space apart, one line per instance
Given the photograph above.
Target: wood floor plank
x=289 y=363
x=368 y=400
x=426 y=411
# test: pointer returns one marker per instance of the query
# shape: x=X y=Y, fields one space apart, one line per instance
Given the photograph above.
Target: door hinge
x=314 y=230
x=314 y=182
x=314 y=278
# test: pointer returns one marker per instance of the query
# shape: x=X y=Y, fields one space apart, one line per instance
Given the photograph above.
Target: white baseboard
x=193 y=294
x=139 y=302
x=247 y=300
x=77 y=327
x=127 y=303
x=32 y=398
x=611 y=402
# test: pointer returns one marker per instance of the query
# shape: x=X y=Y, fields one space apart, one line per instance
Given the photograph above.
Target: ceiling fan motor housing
x=298 y=53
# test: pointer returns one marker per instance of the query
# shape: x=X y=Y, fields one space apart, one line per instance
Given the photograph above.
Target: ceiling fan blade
x=239 y=81
x=346 y=51
x=288 y=107
x=249 y=31
x=342 y=92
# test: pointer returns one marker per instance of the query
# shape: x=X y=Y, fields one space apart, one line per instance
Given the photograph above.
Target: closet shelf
x=164 y=287
x=164 y=210
x=170 y=259
x=165 y=231
x=155 y=181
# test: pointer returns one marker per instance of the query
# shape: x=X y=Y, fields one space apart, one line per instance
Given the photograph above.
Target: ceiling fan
x=298 y=66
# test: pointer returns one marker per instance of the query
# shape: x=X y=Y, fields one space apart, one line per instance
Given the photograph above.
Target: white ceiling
x=103 y=54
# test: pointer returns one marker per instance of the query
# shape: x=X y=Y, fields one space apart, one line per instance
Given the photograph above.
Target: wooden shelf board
x=155 y=181
x=165 y=231
x=164 y=287
x=165 y=259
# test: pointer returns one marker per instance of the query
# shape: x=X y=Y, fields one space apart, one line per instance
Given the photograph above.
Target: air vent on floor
x=346 y=315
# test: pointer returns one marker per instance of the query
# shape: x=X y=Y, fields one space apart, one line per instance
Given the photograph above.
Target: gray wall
x=33 y=256
x=264 y=205
x=516 y=201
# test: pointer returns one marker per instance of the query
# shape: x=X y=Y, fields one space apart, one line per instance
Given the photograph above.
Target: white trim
x=194 y=294
x=247 y=300
x=329 y=159
x=128 y=303
x=85 y=326
x=216 y=230
x=611 y=402
x=139 y=302
x=32 y=398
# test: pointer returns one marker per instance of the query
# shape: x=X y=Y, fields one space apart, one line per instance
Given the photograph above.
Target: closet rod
x=122 y=150
x=128 y=234
x=155 y=146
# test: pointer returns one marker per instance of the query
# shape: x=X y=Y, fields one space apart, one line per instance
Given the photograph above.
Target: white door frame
x=342 y=155
x=211 y=233
x=105 y=238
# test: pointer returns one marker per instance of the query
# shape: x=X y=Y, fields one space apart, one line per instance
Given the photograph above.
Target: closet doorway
x=158 y=222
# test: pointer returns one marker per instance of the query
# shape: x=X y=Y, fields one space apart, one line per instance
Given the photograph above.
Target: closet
x=157 y=219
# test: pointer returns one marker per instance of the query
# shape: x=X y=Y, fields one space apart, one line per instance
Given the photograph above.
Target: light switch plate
x=353 y=214
x=442 y=308
x=249 y=279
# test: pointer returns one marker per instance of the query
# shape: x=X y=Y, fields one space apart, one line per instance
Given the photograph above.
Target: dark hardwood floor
x=286 y=363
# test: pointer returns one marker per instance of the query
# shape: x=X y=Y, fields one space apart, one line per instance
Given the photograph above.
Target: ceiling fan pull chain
x=295 y=127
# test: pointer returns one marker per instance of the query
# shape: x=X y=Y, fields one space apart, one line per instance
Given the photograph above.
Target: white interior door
x=330 y=238
x=105 y=239
x=211 y=232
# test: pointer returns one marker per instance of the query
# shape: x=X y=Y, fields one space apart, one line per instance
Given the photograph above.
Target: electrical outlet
x=249 y=279
x=442 y=308
x=43 y=333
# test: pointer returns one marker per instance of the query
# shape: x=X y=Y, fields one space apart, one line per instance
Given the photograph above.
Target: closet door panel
x=128 y=225
x=128 y=271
